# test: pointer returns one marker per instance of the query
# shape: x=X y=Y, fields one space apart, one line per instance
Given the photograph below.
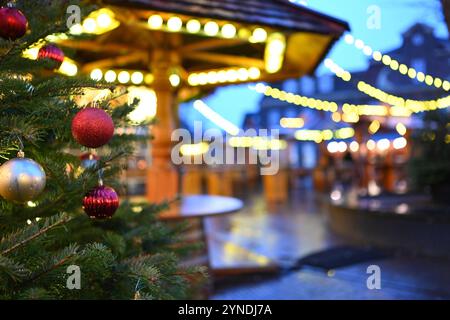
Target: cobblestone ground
x=259 y=236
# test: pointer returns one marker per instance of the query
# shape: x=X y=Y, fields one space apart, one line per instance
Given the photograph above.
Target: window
x=326 y=83
x=307 y=85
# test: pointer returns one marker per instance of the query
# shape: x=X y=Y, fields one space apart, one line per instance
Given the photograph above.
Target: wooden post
x=162 y=177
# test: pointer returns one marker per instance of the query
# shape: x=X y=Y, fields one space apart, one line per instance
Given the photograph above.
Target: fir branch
x=47 y=227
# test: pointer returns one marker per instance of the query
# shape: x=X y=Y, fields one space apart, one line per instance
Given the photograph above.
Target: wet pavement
x=260 y=237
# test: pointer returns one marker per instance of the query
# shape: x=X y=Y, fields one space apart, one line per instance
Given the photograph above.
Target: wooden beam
x=211 y=44
x=224 y=59
x=117 y=62
x=90 y=45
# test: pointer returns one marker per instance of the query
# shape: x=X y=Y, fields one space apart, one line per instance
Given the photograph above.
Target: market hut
x=182 y=49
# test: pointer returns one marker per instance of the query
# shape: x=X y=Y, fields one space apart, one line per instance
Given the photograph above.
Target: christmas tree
x=49 y=247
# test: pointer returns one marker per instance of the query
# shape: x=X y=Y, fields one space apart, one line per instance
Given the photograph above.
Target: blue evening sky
x=233 y=102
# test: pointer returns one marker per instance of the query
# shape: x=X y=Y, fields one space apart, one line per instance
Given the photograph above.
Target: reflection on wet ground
x=262 y=237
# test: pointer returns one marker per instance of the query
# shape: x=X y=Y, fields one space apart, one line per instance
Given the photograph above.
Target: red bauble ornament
x=51 y=53
x=92 y=127
x=101 y=202
x=13 y=24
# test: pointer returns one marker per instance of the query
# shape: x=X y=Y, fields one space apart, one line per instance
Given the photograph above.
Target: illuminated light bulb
x=202 y=78
x=193 y=26
x=412 y=73
x=232 y=75
x=193 y=79
x=354 y=146
x=175 y=80
x=76 y=29
x=148 y=79
x=394 y=65
x=243 y=74
x=333 y=147
x=96 y=74
x=244 y=33
x=349 y=39
x=274 y=53
x=222 y=75
x=174 y=24
x=420 y=76
x=110 y=76
x=386 y=59
x=342 y=146
x=336 y=116
x=211 y=28
x=123 y=77
x=399 y=143
x=89 y=25
x=359 y=44
x=437 y=82
x=383 y=144
x=68 y=68
x=104 y=20
x=254 y=73
x=259 y=35
x=377 y=56
x=292 y=123
x=367 y=50
x=213 y=77
x=146 y=108
x=346 y=76
x=429 y=80
x=155 y=21
x=374 y=126
x=446 y=85
x=371 y=145
x=228 y=31
x=403 y=69
x=401 y=129
x=137 y=77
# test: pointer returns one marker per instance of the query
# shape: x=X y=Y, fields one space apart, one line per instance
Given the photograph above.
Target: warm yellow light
x=89 y=25
x=351 y=117
x=274 y=53
x=386 y=59
x=137 y=77
x=371 y=145
x=254 y=73
x=399 y=143
x=96 y=74
x=228 y=30
x=383 y=144
x=344 y=133
x=76 y=29
x=374 y=126
x=104 y=20
x=243 y=74
x=148 y=79
x=420 y=76
x=403 y=69
x=292 y=123
x=244 y=33
x=211 y=28
x=401 y=129
x=155 y=21
x=336 y=117
x=259 y=35
x=174 y=24
x=175 y=80
x=69 y=68
x=146 y=108
x=193 y=26
x=124 y=77
x=232 y=75
x=367 y=50
x=354 y=146
x=193 y=79
x=194 y=149
x=446 y=85
x=429 y=80
x=412 y=73
x=333 y=147
x=437 y=82
x=394 y=65
x=377 y=56
x=110 y=76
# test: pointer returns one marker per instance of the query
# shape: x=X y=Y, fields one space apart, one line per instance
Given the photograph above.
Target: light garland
x=396 y=65
x=318 y=136
x=230 y=75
